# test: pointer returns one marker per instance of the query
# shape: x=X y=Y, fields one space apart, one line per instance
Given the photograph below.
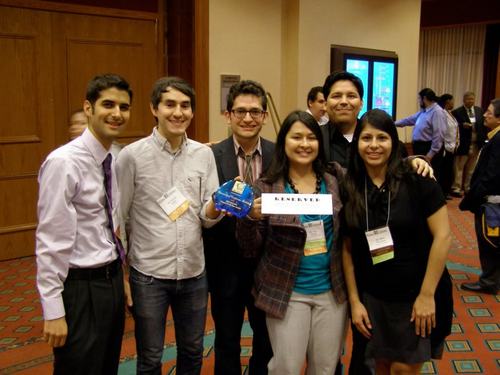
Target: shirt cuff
x=206 y=221
x=53 y=308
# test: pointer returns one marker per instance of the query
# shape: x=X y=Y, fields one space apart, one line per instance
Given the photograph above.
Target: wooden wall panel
x=15 y=194
x=90 y=45
x=49 y=52
x=26 y=103
x=47 y=59
x=187 y=55
x=17 y=81
x=85 y=56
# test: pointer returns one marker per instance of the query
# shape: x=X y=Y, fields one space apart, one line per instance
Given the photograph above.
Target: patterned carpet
x=473 y=347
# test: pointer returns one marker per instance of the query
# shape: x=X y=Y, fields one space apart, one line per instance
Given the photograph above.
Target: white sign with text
x=297 y=204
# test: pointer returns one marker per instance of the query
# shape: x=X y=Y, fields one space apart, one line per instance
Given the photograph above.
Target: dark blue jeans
x=152 y=297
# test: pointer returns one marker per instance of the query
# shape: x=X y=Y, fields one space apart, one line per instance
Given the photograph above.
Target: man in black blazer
x=472 y=137
x=485 y=187
x=230 y=276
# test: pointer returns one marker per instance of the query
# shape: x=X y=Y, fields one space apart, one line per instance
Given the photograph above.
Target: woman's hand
x=360 y=319
x=424 y=314
x=255 y=212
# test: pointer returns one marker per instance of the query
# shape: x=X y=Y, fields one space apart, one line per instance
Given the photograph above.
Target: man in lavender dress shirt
x=79 y=274
x=430 y=125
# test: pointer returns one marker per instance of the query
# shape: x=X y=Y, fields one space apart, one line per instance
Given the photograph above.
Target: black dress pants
x=488 y=256
x=95 y=314
x=230 y=293
x=422 y=148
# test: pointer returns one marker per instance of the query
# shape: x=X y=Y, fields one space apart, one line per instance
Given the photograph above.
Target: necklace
x=294 y=189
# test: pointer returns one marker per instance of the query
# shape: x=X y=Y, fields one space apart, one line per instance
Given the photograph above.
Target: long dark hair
x=279 y=164
x=353 y=185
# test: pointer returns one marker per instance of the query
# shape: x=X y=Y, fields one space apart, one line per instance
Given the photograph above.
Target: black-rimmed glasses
x=255 y=113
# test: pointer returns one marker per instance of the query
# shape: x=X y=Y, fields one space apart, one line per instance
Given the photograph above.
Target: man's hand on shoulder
x=55 y=332
x=212 y=143
x=421 y=166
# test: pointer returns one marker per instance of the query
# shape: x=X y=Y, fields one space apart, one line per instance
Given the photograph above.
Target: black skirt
x=393 y=335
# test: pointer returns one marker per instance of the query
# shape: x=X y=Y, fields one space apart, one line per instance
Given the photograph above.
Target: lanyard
x=366 y=207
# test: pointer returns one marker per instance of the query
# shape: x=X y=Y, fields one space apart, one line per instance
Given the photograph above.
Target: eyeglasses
x=240 y=113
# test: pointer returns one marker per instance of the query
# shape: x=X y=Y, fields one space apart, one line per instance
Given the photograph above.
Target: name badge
x=173 y=203
x=381 y=244
x=315 y=240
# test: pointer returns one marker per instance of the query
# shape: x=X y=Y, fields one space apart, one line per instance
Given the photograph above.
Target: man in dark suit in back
x=230 y=277
x=472 y=137
x=485 y=187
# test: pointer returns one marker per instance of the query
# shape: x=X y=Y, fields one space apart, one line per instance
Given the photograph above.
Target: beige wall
x=286 y=46
x=245 y=39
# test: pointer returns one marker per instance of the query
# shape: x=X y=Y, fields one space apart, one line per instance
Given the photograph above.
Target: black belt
x=105 y=272
x=422 y=142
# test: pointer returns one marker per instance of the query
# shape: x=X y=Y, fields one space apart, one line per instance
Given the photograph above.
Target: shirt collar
x=322 y=121
x=94 y=146
x=492 y=133
x=163 y=143
x=431 y=107
x=257 y=149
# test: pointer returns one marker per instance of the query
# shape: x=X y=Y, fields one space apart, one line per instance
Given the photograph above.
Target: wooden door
x=47 y=59
x=26 y=114
x=88 y=45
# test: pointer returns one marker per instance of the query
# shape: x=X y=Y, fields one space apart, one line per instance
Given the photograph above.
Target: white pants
x=314 y=327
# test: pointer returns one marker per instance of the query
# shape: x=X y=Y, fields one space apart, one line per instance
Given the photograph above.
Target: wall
x=286 y=46
x=377 y=24
x=245 y=38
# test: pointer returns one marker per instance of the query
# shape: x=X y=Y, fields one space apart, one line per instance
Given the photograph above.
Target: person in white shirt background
x=316 y=105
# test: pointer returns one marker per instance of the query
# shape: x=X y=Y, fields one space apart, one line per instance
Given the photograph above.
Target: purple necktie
x=106 y=166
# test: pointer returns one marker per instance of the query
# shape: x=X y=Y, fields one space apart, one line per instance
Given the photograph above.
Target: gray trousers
x=314 y=327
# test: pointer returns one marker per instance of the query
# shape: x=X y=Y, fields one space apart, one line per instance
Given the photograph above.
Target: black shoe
x=478 y=288
x=456 y=194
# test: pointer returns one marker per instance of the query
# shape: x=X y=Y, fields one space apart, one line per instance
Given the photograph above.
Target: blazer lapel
x=227 y=157
x=267 y=153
